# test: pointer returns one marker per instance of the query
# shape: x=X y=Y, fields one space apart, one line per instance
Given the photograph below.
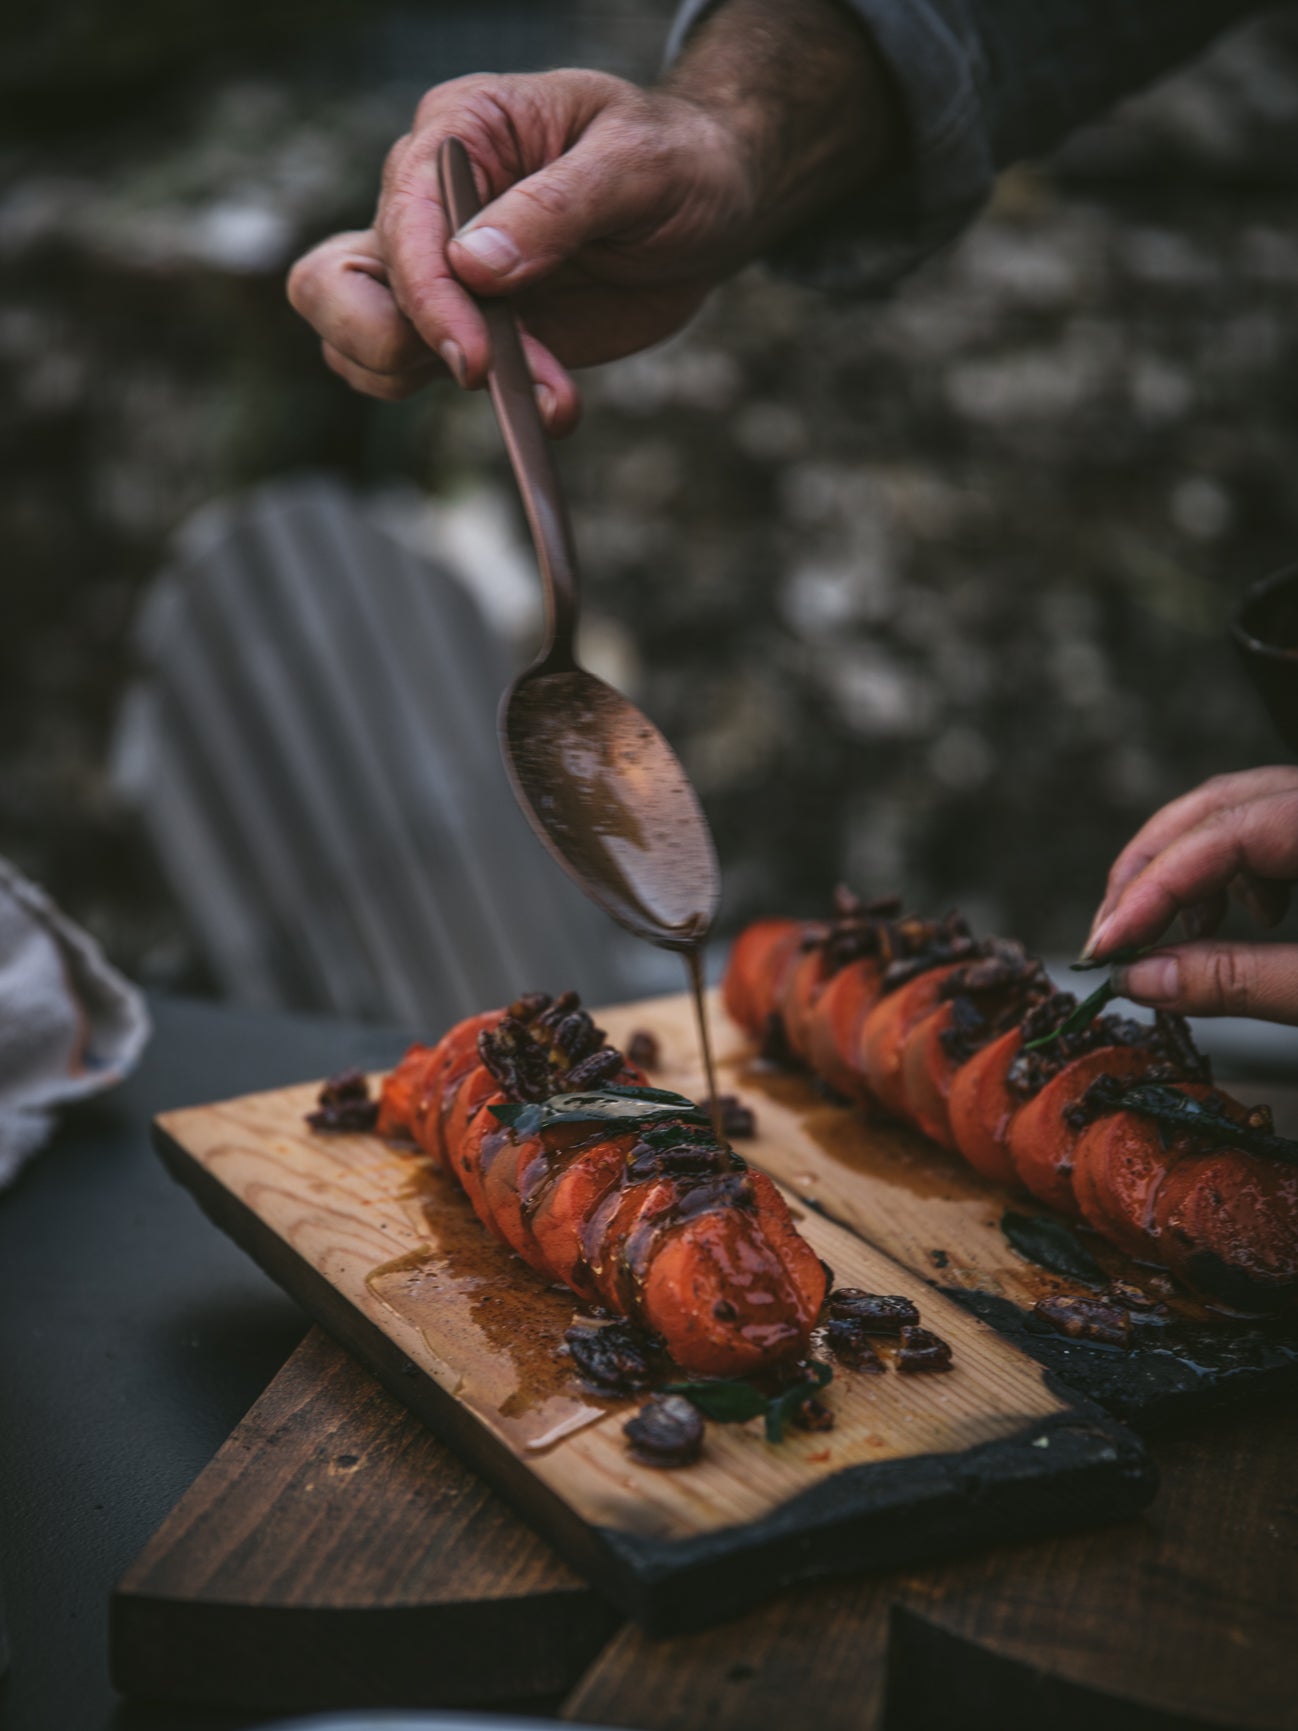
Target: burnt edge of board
x=1069 y=1470
x=1197 y=1370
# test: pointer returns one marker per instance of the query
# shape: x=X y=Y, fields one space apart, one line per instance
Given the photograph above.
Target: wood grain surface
x=388 y=1255
x=1180 y=1621
x=334 y=1553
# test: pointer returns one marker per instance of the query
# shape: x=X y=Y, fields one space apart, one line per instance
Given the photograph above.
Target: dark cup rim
x=1255 y=593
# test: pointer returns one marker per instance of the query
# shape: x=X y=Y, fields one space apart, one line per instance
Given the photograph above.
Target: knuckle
x=1230 y=980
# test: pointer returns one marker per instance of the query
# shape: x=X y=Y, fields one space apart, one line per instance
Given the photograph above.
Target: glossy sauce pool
x=464 y=1284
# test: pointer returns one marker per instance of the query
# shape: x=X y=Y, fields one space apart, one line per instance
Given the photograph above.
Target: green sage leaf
x=610 y=1105
x=1079 y=1018
x=727 y=1402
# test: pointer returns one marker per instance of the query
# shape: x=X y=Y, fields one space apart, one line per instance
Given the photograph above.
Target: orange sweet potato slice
x=1041 y=1140
x=927 y=1073
x=884 y=1032
x=755 y=972
x=833 y=1036
x=980 y=1108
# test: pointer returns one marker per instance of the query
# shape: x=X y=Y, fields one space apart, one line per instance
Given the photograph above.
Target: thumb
x=1216 y=979
x=529 y=231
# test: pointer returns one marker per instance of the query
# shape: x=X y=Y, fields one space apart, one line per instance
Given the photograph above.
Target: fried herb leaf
x=727 y=1402
x=1085 y=1013
x=608 y=1105
x=780 y=1410
x=1051 y=1244
x=1169 y=1106
x=735 y=1402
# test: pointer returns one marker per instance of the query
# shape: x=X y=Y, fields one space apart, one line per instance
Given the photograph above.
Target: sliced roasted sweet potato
x=980 y=1108
x=927 y=1073
x=884 y=1032
x=756 y=970
x=1041 y=1140
x=1227 y=1222
x=833 y=1035
x=803 y=984
x=726 y=1290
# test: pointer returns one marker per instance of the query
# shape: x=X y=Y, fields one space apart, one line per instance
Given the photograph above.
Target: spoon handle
x=514 y=400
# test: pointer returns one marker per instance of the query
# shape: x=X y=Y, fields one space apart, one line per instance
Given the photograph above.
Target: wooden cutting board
x=390 y=1259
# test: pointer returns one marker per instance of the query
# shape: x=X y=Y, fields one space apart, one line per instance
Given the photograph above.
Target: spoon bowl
x=609 y=798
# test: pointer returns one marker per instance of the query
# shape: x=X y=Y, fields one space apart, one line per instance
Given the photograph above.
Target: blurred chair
x=312 y=748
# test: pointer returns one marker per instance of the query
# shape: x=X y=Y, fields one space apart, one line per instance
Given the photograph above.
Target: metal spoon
x=595 y=778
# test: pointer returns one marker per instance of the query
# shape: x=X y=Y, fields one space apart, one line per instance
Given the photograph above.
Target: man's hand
x=1237 y=834
x=610 y=211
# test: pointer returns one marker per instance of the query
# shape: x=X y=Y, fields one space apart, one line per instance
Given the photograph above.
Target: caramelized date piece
x=666 y=1432
x=614 y=1359
x=737 y=1120
x=642 y=1049
x=850 y=1344
x=344 y=1105
x=872 y=1312
x=922 y=1350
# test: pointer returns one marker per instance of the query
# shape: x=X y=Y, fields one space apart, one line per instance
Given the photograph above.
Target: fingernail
x=1151 y=980
x=1096 y=939
x=545 y=401
x=453 y=355
x=490 y=246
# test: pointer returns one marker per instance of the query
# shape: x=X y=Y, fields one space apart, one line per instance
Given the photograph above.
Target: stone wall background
x=930 y=594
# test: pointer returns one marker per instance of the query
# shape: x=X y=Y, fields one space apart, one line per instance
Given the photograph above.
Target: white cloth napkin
x=70 y=1025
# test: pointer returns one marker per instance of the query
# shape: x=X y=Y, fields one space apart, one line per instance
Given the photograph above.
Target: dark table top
x=133 y=1337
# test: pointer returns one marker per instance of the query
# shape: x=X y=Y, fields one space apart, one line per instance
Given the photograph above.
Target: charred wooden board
x=1179 y=1621
x=938 y=1217
x=388 y=1257
x=335 y=1554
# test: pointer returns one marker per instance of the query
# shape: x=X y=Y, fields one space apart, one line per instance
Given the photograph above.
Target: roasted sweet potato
x=927 y=1074
x=980 y=1107
x=833 y=1037
x=803 y=984
x=756 y=971
x=1041 y=1140
x=884 y=1032
x=651 y=1229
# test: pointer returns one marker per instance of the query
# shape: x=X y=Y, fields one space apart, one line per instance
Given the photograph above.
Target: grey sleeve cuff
x=936 y=60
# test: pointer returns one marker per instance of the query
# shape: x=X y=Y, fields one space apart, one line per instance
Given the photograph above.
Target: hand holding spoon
x=596 y=779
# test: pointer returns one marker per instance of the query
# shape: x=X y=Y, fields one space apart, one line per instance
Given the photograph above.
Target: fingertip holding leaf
x=1089 y=1008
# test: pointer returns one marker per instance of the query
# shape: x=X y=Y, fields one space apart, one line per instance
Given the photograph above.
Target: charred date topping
x=990 y=996
x=515 y=1062
x=872 y=1312
x=1083 y=1318
x=590 y=1072
x=813 y=1414
x=1173 y=1055
x=642 y=1049
x=680 y=1151
x=616 y=1359
x=666 y=1432
x=737 y=1120
x=921 y=1350
x=343 y=1105
x=543 y=1046
x=850 y=1344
